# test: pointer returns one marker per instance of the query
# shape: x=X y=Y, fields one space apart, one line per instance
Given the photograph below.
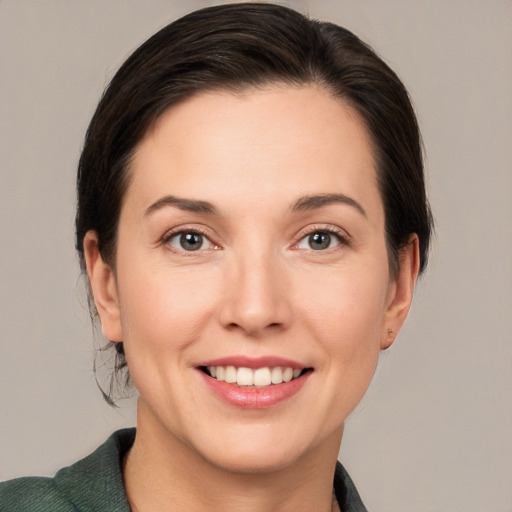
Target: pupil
x=318 y=241
x=191 y=241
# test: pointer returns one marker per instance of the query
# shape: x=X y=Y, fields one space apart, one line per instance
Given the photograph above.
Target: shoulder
x=32 y=494
x=93 y=483
x=346 y=492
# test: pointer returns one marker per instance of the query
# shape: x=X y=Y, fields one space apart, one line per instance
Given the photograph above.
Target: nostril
x=252 y=327
x=232 y=326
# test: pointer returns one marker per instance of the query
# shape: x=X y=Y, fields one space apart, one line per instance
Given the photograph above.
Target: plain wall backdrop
x=434 y=432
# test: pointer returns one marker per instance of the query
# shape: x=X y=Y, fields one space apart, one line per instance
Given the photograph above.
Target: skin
x=255 y=288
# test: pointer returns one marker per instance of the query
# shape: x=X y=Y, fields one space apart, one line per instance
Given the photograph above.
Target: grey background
x=434 y=431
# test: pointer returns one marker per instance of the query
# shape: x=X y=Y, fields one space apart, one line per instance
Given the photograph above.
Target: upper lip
x=254 y=362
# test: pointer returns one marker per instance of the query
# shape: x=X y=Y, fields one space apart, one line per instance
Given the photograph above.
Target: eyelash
x=341 y=236
x=167 y=238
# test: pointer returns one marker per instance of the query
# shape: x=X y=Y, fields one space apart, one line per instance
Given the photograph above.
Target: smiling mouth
x=254 y=378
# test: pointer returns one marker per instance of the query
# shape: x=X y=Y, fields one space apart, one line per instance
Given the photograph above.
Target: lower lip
x=255 y=398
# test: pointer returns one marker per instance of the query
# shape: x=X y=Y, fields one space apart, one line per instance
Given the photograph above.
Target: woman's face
x=251 y=244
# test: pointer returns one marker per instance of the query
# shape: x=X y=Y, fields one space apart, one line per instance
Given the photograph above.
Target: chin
x=254 y=461
x=264 y=451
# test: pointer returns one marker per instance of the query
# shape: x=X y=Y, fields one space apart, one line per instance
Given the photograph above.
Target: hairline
x=241 y=89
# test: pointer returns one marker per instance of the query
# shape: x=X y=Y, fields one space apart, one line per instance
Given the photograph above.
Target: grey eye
x=319 y=241
x=188 y=241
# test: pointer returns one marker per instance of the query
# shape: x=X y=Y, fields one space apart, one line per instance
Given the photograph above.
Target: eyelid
x=343 y=237
x=179 y=230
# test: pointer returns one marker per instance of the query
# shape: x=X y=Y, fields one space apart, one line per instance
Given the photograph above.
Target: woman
x=252 y=220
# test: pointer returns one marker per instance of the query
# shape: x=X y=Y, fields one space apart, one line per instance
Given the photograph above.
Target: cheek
x=345 y=300
x=342 y=310
x=345 y=316
x=163 y=310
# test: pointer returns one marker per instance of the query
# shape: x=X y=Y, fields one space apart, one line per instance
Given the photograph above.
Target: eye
x=320 y=241
x=190 y=241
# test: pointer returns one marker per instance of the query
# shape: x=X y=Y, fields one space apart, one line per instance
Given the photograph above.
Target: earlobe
x=104 y=290
x=401 y=292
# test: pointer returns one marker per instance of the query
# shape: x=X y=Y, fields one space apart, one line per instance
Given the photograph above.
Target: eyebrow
x=188 y=205
x=302 y=204
x=318 y=201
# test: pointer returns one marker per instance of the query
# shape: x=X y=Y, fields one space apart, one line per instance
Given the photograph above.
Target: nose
x=256 y=298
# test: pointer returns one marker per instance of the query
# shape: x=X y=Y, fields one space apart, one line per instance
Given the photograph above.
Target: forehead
x=281 y=142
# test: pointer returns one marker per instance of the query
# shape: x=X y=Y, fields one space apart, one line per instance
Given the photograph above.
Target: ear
x=104 y=290
x=401 y=291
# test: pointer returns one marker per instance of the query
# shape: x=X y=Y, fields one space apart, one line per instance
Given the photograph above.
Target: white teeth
x=259 y=377
x=262 y=377
x=277 y=375
x=245 y=377
x=230 y=375
x=287 y=374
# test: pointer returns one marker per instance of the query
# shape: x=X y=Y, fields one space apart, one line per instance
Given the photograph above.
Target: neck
x=161 y=470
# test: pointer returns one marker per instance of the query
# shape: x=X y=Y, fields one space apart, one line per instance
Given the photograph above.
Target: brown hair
x=234 y=47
